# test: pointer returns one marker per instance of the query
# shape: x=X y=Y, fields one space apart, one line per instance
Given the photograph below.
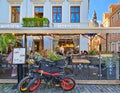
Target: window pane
x=36 y=9
x=59 y=17
x=54 y=9
x=72 y=9
x=77 y=9
x=54 y=17
x=72 y=17
x=18 y=9
x=77 y=17
x=118 y=15
x=41 y=9
x=59 y=9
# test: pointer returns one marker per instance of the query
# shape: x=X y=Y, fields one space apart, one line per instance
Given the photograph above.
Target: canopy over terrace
x=60 y=30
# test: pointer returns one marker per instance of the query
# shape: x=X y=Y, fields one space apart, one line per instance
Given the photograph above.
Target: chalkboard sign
x=19 y=56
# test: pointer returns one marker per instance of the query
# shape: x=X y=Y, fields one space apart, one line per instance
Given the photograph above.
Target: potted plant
x=45 y=22
x=111 y=65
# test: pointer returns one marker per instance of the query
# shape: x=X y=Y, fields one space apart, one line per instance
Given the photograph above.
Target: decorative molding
x=75 y=1
x=57 y=1
x=14 y=1
x=38 y=1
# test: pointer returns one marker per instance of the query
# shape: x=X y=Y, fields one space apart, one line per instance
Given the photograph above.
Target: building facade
x=111 y=19
x=60 y=13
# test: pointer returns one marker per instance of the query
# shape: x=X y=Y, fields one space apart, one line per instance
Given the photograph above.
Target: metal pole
x=119 y=64
x=25 y=66
x=107 y=42
x=100 y=75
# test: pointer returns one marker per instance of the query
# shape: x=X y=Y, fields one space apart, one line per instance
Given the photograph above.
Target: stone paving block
x=7 y=88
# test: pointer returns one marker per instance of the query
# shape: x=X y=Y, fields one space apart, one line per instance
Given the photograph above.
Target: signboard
x=19 y=56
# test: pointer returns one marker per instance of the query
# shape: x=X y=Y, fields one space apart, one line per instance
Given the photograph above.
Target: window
x=15 y=14
x=38 y=11
x=113 y=47
x=112 y=20
x=57 y=14
x=118 y=15
x=75 y=14
x=119 y=47
x=113 y=35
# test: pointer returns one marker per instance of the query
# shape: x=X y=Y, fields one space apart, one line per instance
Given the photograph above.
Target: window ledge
x=38 y=1
x=58 y=1
x=14 y=1
x=75 y=1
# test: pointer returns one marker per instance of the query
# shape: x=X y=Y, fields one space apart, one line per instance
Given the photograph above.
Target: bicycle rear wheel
x=23 y=85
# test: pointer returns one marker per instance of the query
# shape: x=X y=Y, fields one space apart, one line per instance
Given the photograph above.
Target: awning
x=45 y=30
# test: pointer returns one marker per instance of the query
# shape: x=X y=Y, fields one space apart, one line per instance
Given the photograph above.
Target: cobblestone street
x=7 y=88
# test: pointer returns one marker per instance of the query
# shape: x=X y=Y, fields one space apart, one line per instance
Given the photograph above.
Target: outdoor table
x=76 y=62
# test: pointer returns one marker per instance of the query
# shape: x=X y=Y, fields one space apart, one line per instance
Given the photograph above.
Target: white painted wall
x=27 y=10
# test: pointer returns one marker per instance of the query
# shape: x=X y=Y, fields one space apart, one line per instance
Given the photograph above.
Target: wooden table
x=81 y=61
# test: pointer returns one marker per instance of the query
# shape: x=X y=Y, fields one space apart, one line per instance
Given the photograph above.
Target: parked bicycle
x=51 y=73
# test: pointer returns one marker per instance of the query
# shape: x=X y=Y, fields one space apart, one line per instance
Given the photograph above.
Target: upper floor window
x=75 y=14
x=112 y=20
x=15 y=14
x=57 y=14
x=118 y=15
x=113 y=35
x=38 y=11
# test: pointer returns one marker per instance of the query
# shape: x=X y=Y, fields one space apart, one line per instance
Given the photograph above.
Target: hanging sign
x=19 y=56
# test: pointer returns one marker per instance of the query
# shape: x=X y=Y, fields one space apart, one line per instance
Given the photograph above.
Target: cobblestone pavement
x=7 y=88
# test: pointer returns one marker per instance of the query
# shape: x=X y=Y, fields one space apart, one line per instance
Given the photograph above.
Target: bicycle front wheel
x=34 y=84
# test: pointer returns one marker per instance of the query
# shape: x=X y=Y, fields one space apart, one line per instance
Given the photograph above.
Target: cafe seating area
x=82 y=68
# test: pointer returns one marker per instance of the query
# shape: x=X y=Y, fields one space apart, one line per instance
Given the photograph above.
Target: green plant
x=93 y=52
x=35 y=22
x=45 y=21
x=7 y=40
x=113 y=59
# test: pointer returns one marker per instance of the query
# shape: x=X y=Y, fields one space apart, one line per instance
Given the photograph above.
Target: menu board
x=19 y=56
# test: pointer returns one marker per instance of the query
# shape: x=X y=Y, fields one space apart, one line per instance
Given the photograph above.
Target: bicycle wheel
x=34 y=84
x=67 y=84
x=23 y=85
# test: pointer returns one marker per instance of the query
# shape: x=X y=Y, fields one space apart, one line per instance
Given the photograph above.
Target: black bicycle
x=49 y=72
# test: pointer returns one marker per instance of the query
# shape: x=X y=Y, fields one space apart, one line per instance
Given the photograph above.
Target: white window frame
x=70 y=12
x=52 y=5
x=33 y=14
x=10 y=6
